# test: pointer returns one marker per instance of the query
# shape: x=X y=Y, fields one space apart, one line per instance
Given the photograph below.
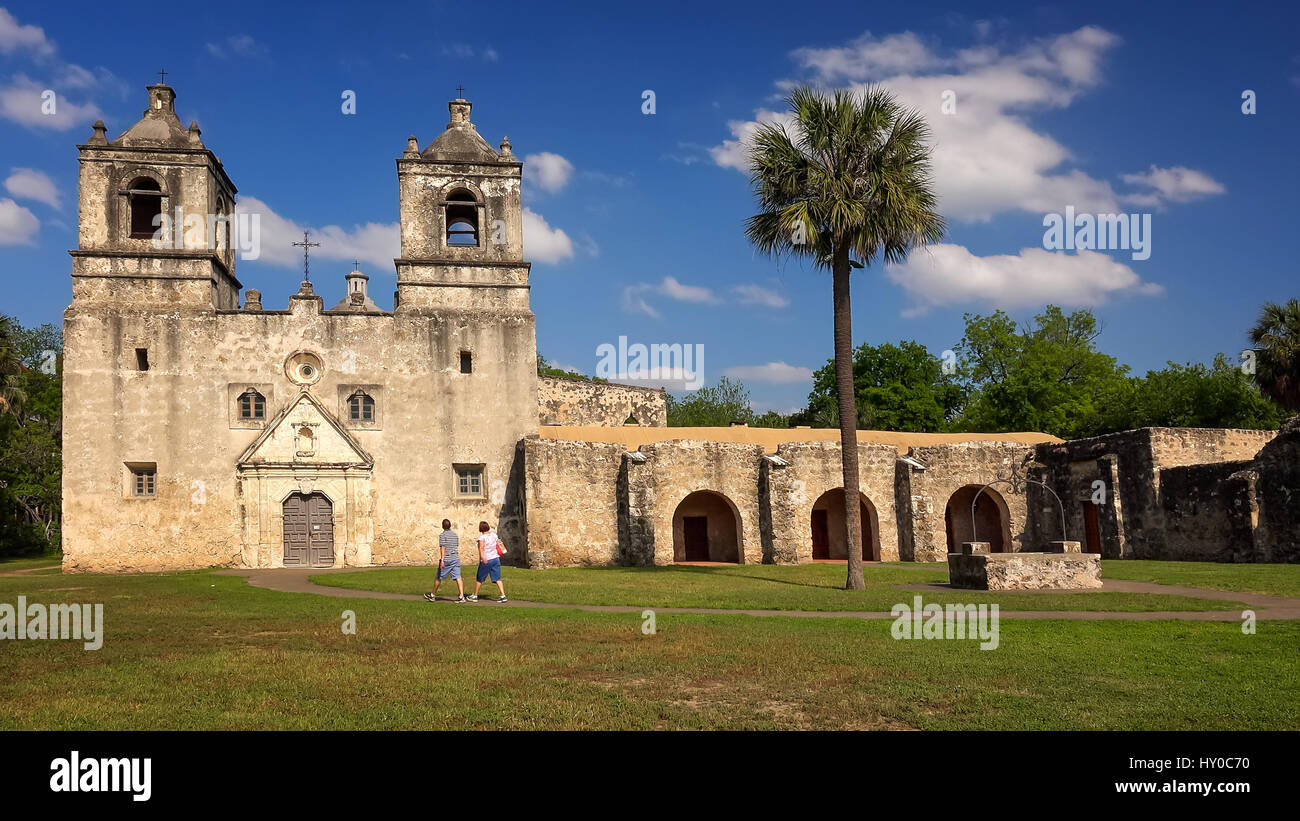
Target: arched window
x=252 y=405
x=462 y=218
x=144 y=199
x=361 y=408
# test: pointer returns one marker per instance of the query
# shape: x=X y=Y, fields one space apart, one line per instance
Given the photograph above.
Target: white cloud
x=867 y=57
x=548 y=171
x=377 y=244
x=30 y=184
x=15 y=37
x=946 y=274
x=542 y=243
x=21 y=101
x=987 y=158
x=464 y=51
x=18 y=226
x=240 y=45
x=673 y=289
x=775 y=372
x=758 y=295
x=1176 y=184
x=634 y=301
x=635 y=296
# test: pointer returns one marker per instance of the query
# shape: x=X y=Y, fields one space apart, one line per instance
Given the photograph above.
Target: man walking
x=448 y=562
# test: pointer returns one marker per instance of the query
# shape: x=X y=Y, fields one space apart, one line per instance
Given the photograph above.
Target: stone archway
x=706 y=528
x=828 y=526
x=992 y=521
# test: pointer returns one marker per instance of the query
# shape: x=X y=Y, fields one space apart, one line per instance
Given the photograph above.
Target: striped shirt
x=450 y=543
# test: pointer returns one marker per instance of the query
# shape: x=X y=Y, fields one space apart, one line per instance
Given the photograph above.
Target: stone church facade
x=203 y=431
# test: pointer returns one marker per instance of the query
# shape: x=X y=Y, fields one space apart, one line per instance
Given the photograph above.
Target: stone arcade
x=199 y=432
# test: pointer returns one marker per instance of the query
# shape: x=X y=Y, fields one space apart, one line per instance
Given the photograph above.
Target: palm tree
x=1276 y=337
x=12 y=397
x=849 y=176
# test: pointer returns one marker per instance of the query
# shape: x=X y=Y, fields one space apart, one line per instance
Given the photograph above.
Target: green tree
x=30 y=439
x=1047 y=377
x=1190 y=396
x=715 y=407
x=545 y=368
x=897 y=387
x=770 y=419
x=1276 y=337
x=850 y=176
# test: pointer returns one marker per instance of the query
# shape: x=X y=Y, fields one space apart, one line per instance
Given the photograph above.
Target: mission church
x=203 y=429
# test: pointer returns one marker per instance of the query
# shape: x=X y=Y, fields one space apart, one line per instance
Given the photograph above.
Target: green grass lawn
x=754 y=587
x=1275 y=579
x=196 y=650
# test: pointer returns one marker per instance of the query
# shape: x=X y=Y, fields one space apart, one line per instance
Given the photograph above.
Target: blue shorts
x=449 y=570
x=485 y=569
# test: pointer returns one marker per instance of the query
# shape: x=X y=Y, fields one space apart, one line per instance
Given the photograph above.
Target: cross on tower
x=306 y=245
x=356 y=265
x=162 y=77
x=460 y=92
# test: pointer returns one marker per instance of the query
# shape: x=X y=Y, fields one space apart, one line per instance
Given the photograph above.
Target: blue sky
x=635 y=223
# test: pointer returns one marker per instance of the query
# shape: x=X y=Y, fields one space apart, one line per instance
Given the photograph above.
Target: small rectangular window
x=143 y=481
x=142 y=359
x=469 y=480
x=466 y=362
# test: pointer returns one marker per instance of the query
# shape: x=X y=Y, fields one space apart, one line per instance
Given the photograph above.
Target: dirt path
x=27 y=571
x=1265 y=607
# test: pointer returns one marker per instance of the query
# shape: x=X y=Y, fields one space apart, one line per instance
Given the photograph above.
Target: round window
x=303 y=368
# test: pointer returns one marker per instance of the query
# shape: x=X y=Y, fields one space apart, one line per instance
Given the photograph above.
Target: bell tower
x=461 y=222
x=155 y=216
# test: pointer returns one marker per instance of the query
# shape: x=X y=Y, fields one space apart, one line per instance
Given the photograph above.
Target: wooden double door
x=308 y=531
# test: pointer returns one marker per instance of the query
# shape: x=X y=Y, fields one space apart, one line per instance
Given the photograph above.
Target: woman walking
x=490 y=551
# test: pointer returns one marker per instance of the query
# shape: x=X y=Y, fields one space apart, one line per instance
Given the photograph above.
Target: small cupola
x=460 y=140
x=357 y=297
x=162 y=97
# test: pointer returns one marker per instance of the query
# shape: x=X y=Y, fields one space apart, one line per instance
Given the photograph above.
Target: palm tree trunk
x=848 y=414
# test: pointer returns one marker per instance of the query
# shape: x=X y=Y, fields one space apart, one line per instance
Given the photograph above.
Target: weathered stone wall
x=949 y=468
x=572 y=502
x=1178 y=447
x=1133 y=509
x=584 y=402
x=790 y=492
x=1265 y=500
x=1197 y=507
x=177 y=415
x=674 y=470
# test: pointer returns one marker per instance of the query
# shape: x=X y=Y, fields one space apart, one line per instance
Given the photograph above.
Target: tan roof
x=633 y=436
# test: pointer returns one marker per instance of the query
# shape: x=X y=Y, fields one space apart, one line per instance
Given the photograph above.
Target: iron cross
x=162 y=76
x=306 y=245
x=460 y=92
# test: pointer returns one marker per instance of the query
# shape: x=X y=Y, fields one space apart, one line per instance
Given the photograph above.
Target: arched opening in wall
x=992 y=522
x=222 y=226
x=308 y=530
x=706 y=528
x=828 y=526
x=461 y=213
x=144 y=202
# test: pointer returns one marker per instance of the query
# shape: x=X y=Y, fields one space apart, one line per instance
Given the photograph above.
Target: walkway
x=1265 y=607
